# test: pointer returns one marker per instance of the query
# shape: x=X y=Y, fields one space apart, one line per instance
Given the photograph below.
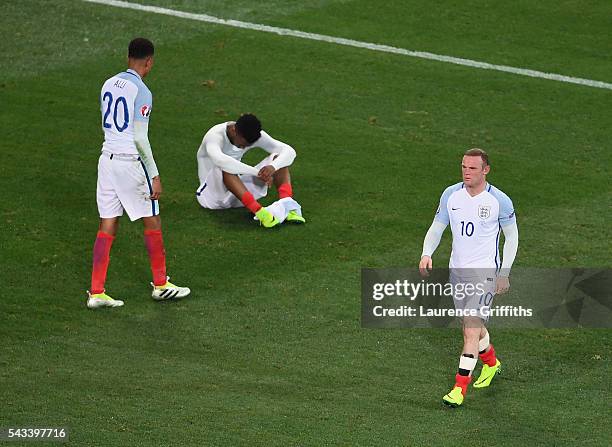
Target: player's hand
x=502 y=285
x=157 y=188
x=266 y=173
x=425 y=266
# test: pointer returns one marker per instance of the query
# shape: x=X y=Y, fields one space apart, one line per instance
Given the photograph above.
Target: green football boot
x=454 y=398
x=294 y=217
x=487 y=374
x=266 y=218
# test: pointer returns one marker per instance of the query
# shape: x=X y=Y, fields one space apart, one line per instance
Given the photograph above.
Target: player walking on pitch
x=226 y=182
x=476 y=212
x=128 y=178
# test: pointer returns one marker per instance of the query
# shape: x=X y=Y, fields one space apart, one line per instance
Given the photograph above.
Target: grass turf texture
x=268 y=349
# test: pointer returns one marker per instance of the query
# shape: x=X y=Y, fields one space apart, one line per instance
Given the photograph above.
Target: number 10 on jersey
x=467 y=229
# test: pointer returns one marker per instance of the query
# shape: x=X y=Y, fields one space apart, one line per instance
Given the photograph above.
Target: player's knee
x=152 y=223
x=471 y=333
x=281 y=171
x=109 y=225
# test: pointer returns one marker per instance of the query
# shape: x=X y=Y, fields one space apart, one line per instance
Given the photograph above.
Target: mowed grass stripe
x=355 y=43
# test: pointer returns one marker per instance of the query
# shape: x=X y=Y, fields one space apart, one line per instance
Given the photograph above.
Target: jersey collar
x=134 y=72
x=486 y=189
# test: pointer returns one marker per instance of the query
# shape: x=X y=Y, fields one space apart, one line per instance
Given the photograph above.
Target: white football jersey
x=476 y=223
x=124 y=99
x=216 y=140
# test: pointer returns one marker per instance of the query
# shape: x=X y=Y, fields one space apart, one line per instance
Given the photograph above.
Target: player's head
x=140 y=55
x=475 y=167
x=248 y=130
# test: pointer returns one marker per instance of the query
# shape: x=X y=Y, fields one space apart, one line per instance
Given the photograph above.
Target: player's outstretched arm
x=510 y=249
x=431 y=242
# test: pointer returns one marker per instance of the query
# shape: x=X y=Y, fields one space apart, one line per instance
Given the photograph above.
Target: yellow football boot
x=454 y=398
x=294 y=217
x=487 y=374
x=266 y=218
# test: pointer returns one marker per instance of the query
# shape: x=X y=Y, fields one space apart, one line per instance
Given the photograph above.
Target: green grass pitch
x=268 y=350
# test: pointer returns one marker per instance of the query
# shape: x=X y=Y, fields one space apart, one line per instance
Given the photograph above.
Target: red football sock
x=157 y=255
x=463 y=382
x=101 y=258
x=249 y=201
x=489 y=357
x=285 y=190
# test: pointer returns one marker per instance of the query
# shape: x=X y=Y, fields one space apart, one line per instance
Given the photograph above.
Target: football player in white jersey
x=476 y=212
x=128 y=178
x=226 y=182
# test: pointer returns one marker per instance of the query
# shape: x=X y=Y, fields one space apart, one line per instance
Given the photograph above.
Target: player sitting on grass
x=226 y=182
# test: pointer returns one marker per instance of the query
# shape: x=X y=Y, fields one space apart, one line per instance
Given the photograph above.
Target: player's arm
x=141 y=139
x=430 y=243
x=511 y=241
x=286 y=154
x=434 y=234
x=142 y=111
x=507 y=220
x=225 y=162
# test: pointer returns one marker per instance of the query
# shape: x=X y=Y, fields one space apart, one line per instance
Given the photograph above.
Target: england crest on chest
x=484 y=211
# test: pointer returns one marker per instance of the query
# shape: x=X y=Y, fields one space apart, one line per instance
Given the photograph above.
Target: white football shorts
x=214 y=195
x=124 y=184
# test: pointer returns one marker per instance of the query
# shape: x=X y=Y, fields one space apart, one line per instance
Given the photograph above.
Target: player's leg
x=162 y=288
x=101 y=258
x=235 y=185
x=467 y=362
x=97 y=296
x=472 y=327
x=154 y=243
x=109 y=225
x=134 y=189
x=109 y=209
x=491 y=364
x=282 y=181
x=213 y=194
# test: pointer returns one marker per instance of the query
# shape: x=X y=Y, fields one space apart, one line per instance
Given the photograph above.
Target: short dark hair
x=249 y=127
x=140 y=48
x=475 y=152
